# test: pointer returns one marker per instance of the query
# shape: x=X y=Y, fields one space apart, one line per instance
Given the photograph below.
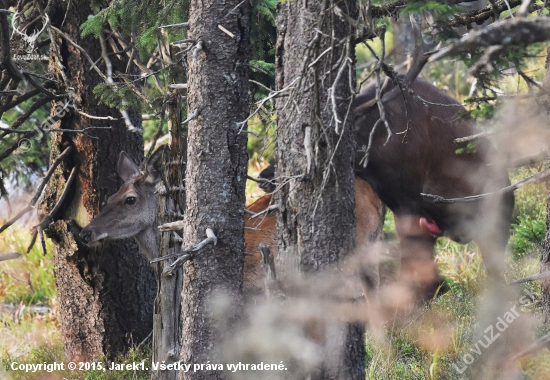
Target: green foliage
x=263 y=73
x=140 y=19
x=483 y=111
x=118 y=96
x=263 y=37
x=261 y=144
x=31 y=158
x=469 y=148
x=93 y=25
x=528 y=233
x=529 y=226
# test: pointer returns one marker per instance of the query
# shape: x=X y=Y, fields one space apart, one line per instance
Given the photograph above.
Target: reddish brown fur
x=262 y=229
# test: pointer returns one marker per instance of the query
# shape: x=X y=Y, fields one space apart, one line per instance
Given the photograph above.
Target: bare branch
x=15 y=218
x=535 y=178
x=180 y=25
x=535 y=277
x=178 y=86
x=537 y=345
x=39 y=190
x=191 y=117
x=265 y=100
x=28 y=113
x=480 y=15
x=48 y=175
x=516 y=32
x=9 y=256
x=82 y=50
x=173 y=226
x=186 y=255
x=473 y=137
x=61 y=199
x=220 y=27
x=197 y=50
x=95 y=117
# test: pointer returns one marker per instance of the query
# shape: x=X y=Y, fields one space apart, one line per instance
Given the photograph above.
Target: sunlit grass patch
x=23 y=329
x=30 y=278
x=430 y=342
x=459 y=264
x=28 y=312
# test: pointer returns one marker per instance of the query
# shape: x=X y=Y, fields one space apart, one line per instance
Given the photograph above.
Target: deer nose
x=85 y=236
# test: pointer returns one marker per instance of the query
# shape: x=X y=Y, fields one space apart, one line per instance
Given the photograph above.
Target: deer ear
x=126 y=167
x=154 y=166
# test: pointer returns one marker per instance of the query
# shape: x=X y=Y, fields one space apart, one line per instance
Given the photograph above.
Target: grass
x=28 y=279
x=438 y=336
x=26 y=282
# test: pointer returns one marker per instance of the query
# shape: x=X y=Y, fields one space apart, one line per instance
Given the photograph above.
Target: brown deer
x=421 y=156
x=132 y=212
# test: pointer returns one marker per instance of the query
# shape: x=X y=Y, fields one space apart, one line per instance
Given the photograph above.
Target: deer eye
x=130 y=201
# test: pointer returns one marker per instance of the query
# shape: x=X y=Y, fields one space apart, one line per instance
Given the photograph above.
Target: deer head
x=132 y=210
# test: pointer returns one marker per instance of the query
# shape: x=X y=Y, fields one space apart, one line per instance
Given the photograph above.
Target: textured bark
x=403 y=39
x=166 y=319
x=105 y=294
x=545 y=254
x=316 y=224
x=215 y=174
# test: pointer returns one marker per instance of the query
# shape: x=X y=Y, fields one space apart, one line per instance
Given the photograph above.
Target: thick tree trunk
x=216 y=172
x=105 y=294
x=316 y=223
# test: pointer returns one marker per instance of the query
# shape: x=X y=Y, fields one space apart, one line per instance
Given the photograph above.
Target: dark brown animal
x=421 y=156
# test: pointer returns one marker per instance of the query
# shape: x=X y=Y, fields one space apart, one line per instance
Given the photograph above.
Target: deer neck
x=148 y=239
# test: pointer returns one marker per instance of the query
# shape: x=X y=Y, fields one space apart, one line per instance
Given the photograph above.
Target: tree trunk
x=105 y=294
x=545 y=254
x=166 y=320
x=316 y=223
x=403 y=40
x=216 y=173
